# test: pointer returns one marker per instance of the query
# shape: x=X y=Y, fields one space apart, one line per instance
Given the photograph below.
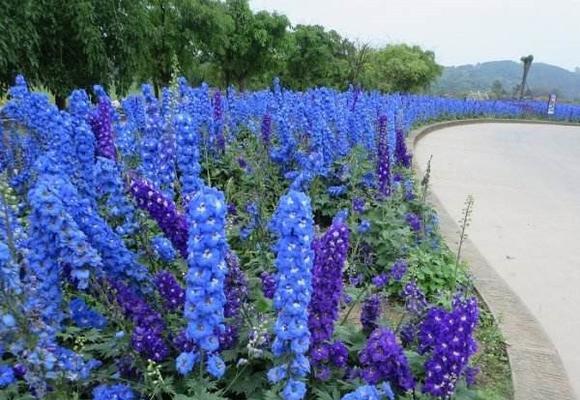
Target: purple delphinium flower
x=330 y=255
x=415 y=300
x=358 y=205
x=408 y=333
x=268 y=284
x=147 y=337
x=398 y=270
x=381 y=280
x=371 y=310
x=171 y=291
x=383 y=159
x=102 y=125
x=402 y=157
x=383 y=359
x=447 y=337
x=236 y=291
x=162 y=210
x=413 y=221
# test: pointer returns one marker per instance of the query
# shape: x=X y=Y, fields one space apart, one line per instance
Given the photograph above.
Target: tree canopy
x=61 y=45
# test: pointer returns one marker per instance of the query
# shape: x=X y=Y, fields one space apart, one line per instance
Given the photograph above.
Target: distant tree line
x=62 y=45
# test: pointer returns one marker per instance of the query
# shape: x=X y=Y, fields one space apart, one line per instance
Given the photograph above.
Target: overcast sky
x=459 y=31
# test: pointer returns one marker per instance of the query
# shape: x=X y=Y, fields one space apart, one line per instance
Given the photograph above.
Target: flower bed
x=211 y=245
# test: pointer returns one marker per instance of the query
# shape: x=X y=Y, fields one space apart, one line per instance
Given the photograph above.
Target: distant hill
x=542 y=80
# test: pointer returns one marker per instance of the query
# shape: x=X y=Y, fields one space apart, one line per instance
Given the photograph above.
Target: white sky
x=459 y=31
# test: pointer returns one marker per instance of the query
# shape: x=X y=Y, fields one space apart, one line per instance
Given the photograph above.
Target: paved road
x=526 y=183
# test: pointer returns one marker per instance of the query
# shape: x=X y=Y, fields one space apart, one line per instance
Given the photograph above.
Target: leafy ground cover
x=255 y=245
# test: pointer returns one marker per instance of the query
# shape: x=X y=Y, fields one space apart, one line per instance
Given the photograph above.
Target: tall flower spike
x=330 y=256
x=162 y=210
x=383 y=158
x=293 y=224
x=204 y=295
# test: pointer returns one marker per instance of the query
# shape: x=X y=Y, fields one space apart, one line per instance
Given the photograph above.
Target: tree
x=527 y=65
x=19 y=40
x=497 y=90
x=315 y=57
x=401 y=68
x=64 y=45
x=357 y=57
x=180 y=33
x=249 y=44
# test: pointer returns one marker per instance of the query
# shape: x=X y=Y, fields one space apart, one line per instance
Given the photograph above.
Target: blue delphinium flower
x=364 y=226
x=6 y=376
x=163 y=248
x=207 y=248
x=109 y=182
x=369 y=392
x=84 y=317
x=293 y=224
x=113 y=392
x=216 y=366
x=336 y=191
x=185 y=362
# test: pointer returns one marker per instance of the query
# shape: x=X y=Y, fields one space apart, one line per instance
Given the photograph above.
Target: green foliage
x=249 y=45
x=401 y=68
x=316 y=57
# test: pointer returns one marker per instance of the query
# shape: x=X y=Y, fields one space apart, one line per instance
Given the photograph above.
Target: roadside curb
x=536 y=368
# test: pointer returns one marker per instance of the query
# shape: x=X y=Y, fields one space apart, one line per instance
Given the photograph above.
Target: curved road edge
x=536 y=368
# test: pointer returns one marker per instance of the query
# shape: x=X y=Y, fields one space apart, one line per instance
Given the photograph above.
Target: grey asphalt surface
x=526 y=222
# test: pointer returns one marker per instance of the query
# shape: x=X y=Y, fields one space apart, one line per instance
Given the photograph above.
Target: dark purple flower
x=330 y=252
x=182 y=343
x=147 y=338
x=381 y=280
x=358 y=204
x=268 y=284
x=383 y=159
x=407 y=334
x=236 y=286
x=401 y=156
x=163 y=211
x=414 y=221
x=383 y=359
x=447 y=337
x=398 y=270
x=339 y=354
x=171 y=291
x=101 y=124
x=415 y=301
x=371 y=309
